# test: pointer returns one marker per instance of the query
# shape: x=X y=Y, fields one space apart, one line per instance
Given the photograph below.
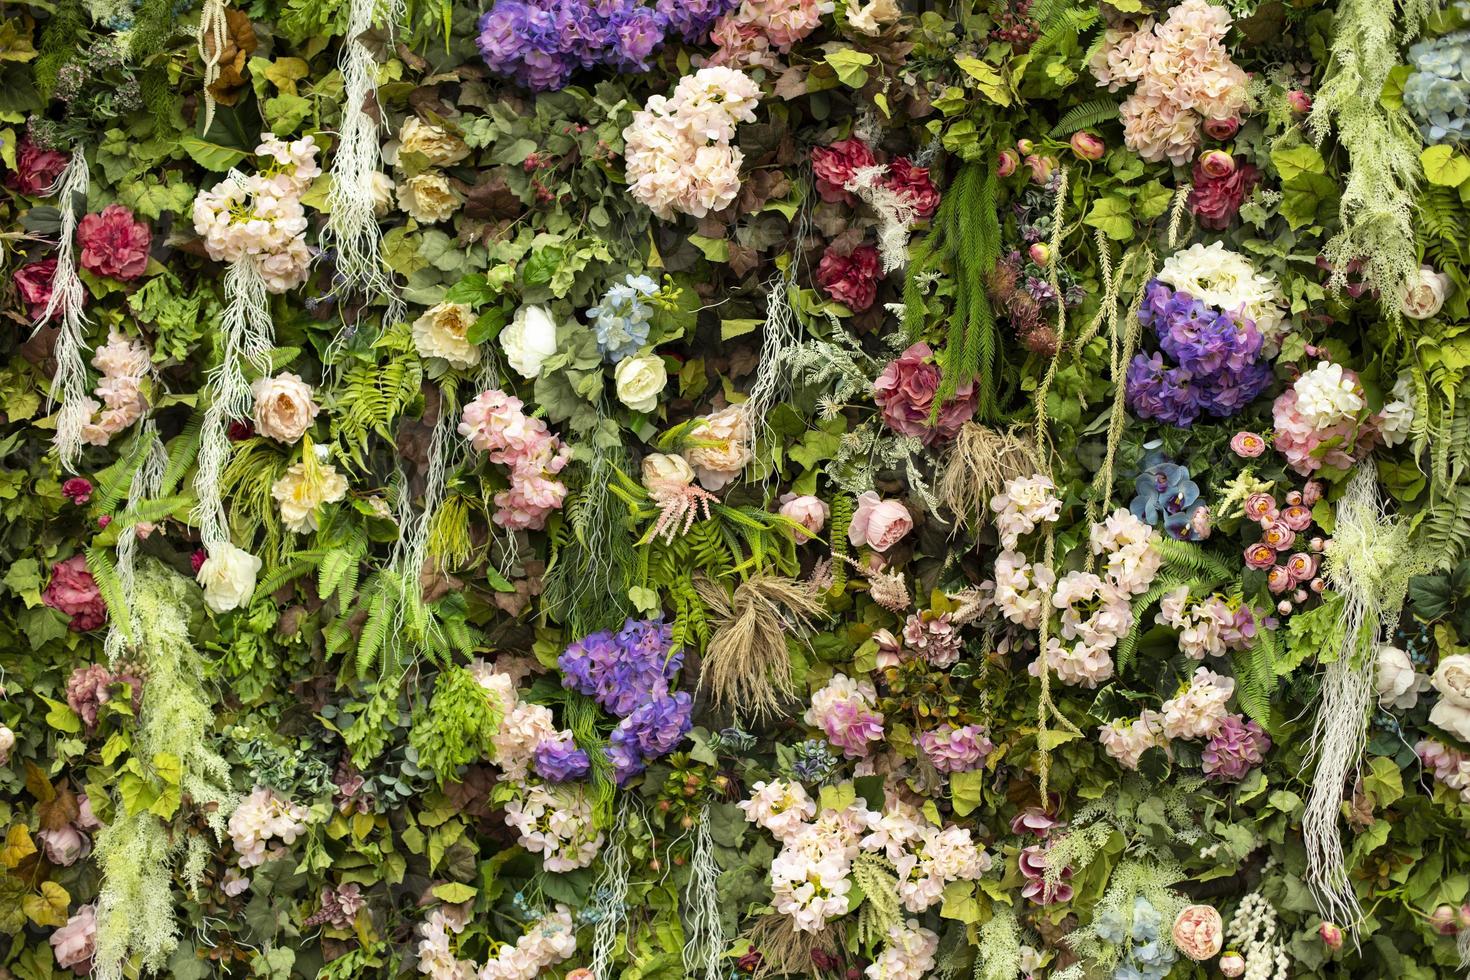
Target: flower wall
x=735 y=488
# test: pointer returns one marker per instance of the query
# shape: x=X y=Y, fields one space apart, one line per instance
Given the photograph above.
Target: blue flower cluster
x=1146 y=955
x=1219 y=372
x=628 y=673
x=623 y=317
x=1165 y=494
x=1437 y=95
x=540 y=43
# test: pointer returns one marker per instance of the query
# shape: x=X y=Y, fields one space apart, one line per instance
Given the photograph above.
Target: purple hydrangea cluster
x=1217 y=353
x=1235 y=748
x=653 y=730
x=623 y=669
x=540 y=43
x=628 y=673
x=558 y=760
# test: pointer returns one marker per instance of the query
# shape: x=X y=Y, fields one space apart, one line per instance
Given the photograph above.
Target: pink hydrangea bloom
x=954 y=749
x=73 y=592
x=495 y=425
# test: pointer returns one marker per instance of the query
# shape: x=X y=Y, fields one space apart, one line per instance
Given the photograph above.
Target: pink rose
x=879 y=524
x=835 y=165
x=1198 y=932
x=1302 y=567
x=808 y=511
x=86 y=819
x=78 y=490
x=1297 y=517
x=913 y=184
x=1087 y=146
x=905 y=392
x=1219 y=192
x=73 y=592
x=1041 y=168
x=65 y=846
x=75 y=942
x=851 y=280
x=1232 y=964
x=114 y=243
x=35 y=169
x=33 y=282
x=1278 y=579
x=1247 y=445
x=1260 y=556
x=1331 y=935
x=1279 y=536
x=1261 y=507
x=1300 y=101
x=1222 y=129
x=1007 y=163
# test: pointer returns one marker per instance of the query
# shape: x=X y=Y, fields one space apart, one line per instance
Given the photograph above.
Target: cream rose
x=879 y=524
x=443 y=331
x=529 y=339
x=719 y=447
x=441 y=147
x=228 y=577
x=300 y=494
x=870 y=18
x=1425 y=295
x=1452 y=711
x=382 y=189
x=1398 y=684
x=7 y=742
x=639 y=380
x=284 y=408
x=427 y=198
x=661 y=468
x=1198 y=932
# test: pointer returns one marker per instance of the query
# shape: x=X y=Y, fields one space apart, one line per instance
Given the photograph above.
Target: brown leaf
x=743 y=259
x=492 y=200
x=240 y=44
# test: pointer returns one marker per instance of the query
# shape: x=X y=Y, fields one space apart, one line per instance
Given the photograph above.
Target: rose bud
x=1222 y=129
x=1007 y=164
x=1039 y=253
x=1311 y=493
x=1444 y=920
x=1217 y=163
x=1317 y=545
x=1025 y=147
x=1284 y=607
x=1299 y=596
x=1088 y=146
x=1331 y=935
x=1300 y=101
x=1041 y=168
x=1232 y=964
x=1293 y=497
x=1317 y=585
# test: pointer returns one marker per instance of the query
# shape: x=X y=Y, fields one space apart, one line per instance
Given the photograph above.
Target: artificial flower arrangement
x=767 y=488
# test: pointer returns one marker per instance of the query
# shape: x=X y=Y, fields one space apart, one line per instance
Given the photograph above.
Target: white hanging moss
x=705 y=947
x=69 y=386
x=412 y=548
x=146 y=483
x=780 y=336
x=1369 y=563
x=246 y=337
x=896 y=214
x=352 y=224
x=609 y=907
x=212 y=36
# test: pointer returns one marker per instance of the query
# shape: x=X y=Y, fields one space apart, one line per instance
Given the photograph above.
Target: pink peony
x=33 y=282
x=879 y=524
x=64 y=846
x=78 y=490
x=851 y=280
x=75 y=942
x=114 y=243
x=912 y=183
x=808 y=511
x=1219 y=193
x=835 y=165
x=73 y=592
x=905 y=395
x=35 y=169
x=1199 y=932
x=1247 y=445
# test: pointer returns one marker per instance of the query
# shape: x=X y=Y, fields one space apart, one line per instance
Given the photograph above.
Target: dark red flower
x=912 y=182
x=835 y=165
x=196 y=560
x=1216 y=200
x=78 y=490
x=851 y=280
x=33 y=282
x=114 y=243
x=35 y=169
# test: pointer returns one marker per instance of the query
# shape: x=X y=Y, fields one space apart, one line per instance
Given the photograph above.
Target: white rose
x=661 y=468
x=284 y=408
x=1425 y=295
x=639 y=380
x=7 y=742
x=427 y=197
x=529 y=339
x=1397 y=683
x=228 y=577
x=1452 y=681
x=443 y=331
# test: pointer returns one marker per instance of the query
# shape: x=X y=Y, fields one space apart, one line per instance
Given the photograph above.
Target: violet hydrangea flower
x=1235 y=747
x=622 y=670
x=651 y=731
x=558 y=760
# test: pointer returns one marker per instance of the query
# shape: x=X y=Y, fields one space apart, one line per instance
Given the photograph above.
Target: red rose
x=913 y=183
x=851 y=280
x=1216 y=200
x=114 y=243
x=73 y=592
x=33 y=282
x=35 y=169
x=835 y=165
x=905 y=393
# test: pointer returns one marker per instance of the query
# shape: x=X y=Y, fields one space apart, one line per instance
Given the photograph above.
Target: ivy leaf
x=453 y=892
x=61 y=717
x=1444 y=167
x=1114 y=215
x=48 y=906
x=851 y=66
x=18 y=846
x=211 y=156
x=965 y=788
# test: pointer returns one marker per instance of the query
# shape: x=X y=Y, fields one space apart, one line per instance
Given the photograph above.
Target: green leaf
x=1444 y=167
x=48 y=907
x=453 y=892
x=729 y=329
x=61 y=717
x=210 y=156
x=987 y=79
x=18 y=846
x=714 y=249
x=850 y=66
x=1114 y=215
x=965 y=788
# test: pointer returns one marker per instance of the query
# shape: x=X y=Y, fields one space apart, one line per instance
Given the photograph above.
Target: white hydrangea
x=556 y=822
x=1199 y=710
x=261 y=818
x=907 y=955
x=1326 y=395
x=780 y=806
x=1397 y=418
x=1227 y=280
x=1026 y=502
x=1126 y=740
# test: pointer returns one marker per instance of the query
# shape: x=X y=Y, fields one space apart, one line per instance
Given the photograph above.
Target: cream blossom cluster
x=680 y=156
x=436 y=959
x=1396 y=420
x=780 y=806
x=1208 y=627
x=1126 y=740
x=1026 y=502
x=1198 y=711
x=495 y=424
x=845 y=710
x=261 y=818
x=810 y=875
x=908 y=953
x=427 y=196
x=1184 y=76
x=123 y=363
x=261 y=216
x=304 y=488
x=938 y=857
x=555 y=820
x=550 y=941
x=1095 y=615
x=1021 y=589
x=1132 y=560
x=1227 y=280
x=755 y=32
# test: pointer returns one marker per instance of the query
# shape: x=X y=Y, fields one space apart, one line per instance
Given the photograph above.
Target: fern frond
x=1085 y=116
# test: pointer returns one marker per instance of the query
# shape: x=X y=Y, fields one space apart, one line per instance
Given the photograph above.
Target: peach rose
x=879 y=524
x=1198 y=932
x=719 y=447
